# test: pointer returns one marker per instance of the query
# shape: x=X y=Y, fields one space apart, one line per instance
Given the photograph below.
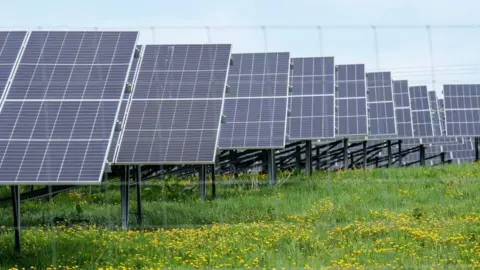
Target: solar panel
x=312 y=99
x=351 y=101
x=432 y=98
x=462 y=109
x=441 y=114
x=123 y=108
x=176 y=105
x=59 y=114
x=421 y=117
x=10 y=45
x=381 y=113
x=403 y=113
x=462 y=152
x=256 y=106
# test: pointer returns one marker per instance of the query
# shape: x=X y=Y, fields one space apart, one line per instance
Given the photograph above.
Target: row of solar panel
x=62 y=92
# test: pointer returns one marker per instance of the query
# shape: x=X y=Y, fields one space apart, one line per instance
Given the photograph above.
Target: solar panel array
x=312 y=99
x=351 y=101
x=462 y=109
x=421 y=117
x=176 y=106
x=403 y=113
x=58 y=116
x=381 y=113
x=256 y=105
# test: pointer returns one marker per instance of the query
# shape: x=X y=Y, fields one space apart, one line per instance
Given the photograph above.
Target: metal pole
x=376 y=162
x=124 y=192
x=272 y=167
x=389 y=153
x=317 y=155
x=422 y=155
x=139 y=195
x=202 y=182
x=477 y=153
x=364 y=146
x=442 y=158
x=16 y=215
x=298 y=157
x=214 y=188
x=308 y=157
x=400 y=153
x=345 y=153
x=265 y=161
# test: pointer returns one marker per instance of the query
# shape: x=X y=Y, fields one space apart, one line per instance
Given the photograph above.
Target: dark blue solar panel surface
x=175 y=110
x=421 y=117
x=403 y=113
x=58 y=118
x=10 y=45
x=312 y=99
x=256 y=106
x=462 y=109
x=432 y=98
x=351 y=101
x=381 y=114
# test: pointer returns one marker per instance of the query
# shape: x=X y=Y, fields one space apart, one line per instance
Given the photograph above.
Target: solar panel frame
x=52 y=55
x=281 y=73
x=351 y=77
x=432 y=99
x=324 y=91
x=462 y=110
x=210 y=97
x=380 y=100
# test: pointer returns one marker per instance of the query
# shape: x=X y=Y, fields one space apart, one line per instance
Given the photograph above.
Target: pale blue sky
x=404 y=51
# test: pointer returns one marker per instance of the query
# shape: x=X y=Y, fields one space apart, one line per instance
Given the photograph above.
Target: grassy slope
x=402 y=217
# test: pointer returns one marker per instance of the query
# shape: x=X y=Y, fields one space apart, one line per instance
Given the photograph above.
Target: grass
x=408 y=217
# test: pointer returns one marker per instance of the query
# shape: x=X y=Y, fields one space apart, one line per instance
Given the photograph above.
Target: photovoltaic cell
x=256 y=106
x=462 y=109
x=351 y=101
x=312 y=99
x=403 y=113
x=174 y=112
x=381 y=113
x=10 y=45
x=421 y=117
x=58 y=117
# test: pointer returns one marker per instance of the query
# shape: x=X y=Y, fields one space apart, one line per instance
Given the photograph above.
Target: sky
x=385 y=35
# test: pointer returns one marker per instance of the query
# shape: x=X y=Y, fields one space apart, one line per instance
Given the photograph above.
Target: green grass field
x=408 y=217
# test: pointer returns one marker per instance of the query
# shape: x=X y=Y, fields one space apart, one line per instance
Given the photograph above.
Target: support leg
x=139 y=195
x=202 y=182
x=124 y=192
x=298 y=157
x=400 y=162
x=16 y=215
x=364 y=153
x=317 y=155
x=422 y=155
x=345 y=154
x=389 y=153
x=442 y=158
x=272 y=167
x=214 y=188
x=477 y=153
x=308 y=157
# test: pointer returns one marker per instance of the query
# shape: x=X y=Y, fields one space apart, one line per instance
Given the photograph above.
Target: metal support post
x=139 y=195
x=308 y=157
x=265 y=161
x=364 y=153
x=389 y=153
x=16 y=215
x=400 y=163
x=124 y=192
x=298 y=157
x=376 y=162
x=202 y=182
x=214 y=188
x=272 y=167
x=345 y=154
x=422 y=155
x=477 y=153
x=317 y=155
x=442 y=158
